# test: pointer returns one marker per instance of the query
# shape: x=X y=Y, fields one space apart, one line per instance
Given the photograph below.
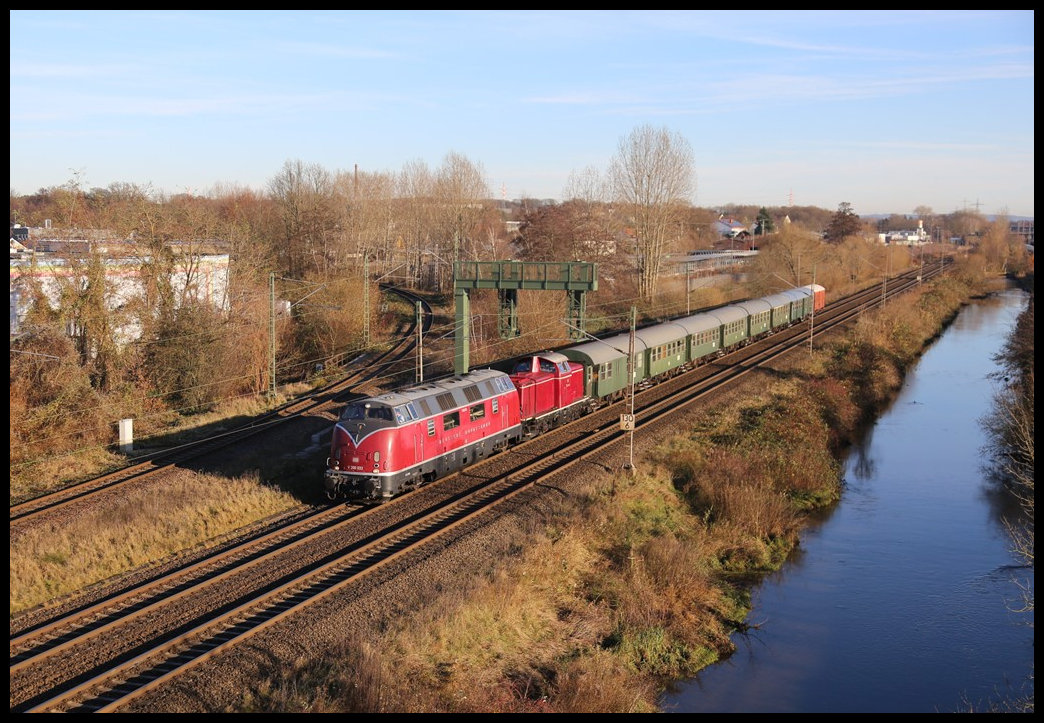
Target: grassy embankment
x=632 y=581
x=139 y=528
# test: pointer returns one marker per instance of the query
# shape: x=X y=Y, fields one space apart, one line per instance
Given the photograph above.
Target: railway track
x=105 y=657
x=365 y=369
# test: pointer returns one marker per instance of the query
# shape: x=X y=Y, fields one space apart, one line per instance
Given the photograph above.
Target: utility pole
x=632 y=371
x=688 y=266
x=366 y=300
x=812 y=317
x=420 y=346
x=271 y=335
x=884 y=281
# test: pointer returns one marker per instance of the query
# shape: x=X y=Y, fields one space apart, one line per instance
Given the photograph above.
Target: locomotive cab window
x=353 y=412
x=451 y=420
x=379 y=413
x=477 y=411
x=404 y=413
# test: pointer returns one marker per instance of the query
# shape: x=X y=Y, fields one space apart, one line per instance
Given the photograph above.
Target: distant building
x=207 y=282
x=20 y=233
x=905 y=237
x=730 y=228
x=1023 y=228
x=707 y=262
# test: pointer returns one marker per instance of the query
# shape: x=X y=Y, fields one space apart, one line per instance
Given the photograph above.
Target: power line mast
x=366 y=301
x=632 y=372
x=271 y=336
x=420 y=345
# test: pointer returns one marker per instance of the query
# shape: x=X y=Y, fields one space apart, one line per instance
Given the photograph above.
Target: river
x=902 y=597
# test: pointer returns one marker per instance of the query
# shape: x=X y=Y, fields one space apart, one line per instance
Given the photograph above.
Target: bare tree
x=367 y=200
x=306 y=194
x=1011 y=437
x=415 y=188
x=653 y=176
x=587 y=185
x=460 y=191
x=791 y=256
x=596 y=228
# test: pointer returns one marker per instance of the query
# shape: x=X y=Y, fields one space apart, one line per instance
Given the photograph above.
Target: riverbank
x=631 y=580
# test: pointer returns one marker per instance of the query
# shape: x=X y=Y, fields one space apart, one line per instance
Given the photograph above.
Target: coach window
x=451 y=420
x=477 y=411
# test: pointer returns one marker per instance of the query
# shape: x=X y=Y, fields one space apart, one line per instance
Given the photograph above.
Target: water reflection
x=863 y=467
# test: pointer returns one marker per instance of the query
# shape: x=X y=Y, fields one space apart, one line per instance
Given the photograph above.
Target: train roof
x=698 y=322
x=602 y=351
x=755 y=306
x=796 y=294
x=450 y=393
x=552 y=356
x=783 y=298
x=725 y=314
x=660 y=334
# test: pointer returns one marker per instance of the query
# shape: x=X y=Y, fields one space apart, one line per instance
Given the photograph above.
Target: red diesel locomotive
x=387 y=444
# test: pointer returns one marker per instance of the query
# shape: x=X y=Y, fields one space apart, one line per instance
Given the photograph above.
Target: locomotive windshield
x=365 y=411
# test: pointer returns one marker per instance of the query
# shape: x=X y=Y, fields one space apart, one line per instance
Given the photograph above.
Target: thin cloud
x=73 y=71
x=328 y=50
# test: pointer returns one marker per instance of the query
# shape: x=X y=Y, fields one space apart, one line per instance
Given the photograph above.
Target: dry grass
x=66 y=465
x=349 y=680
x=141 y=528
x=500 y=634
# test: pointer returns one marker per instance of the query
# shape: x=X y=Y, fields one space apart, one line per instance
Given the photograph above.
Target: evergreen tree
x=843 y=224
x=764 y=223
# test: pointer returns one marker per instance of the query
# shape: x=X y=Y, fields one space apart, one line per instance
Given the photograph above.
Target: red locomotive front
x=391 y=442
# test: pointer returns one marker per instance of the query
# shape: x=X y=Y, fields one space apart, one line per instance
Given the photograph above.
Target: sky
x=884 y=110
